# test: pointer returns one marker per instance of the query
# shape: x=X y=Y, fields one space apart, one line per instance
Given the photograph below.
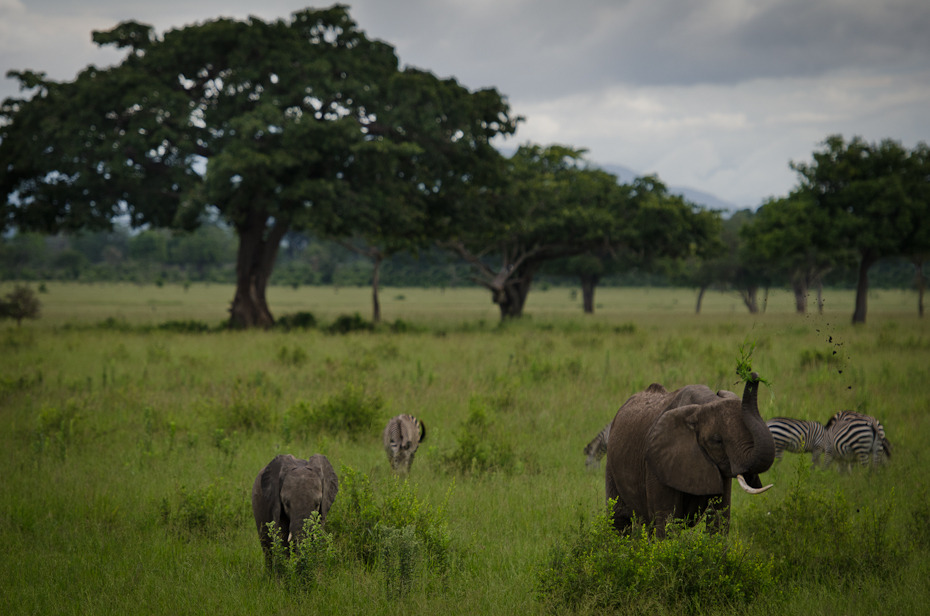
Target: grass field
x=128 y=451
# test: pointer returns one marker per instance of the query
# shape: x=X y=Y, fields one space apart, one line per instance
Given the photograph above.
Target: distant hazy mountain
x=626 y=175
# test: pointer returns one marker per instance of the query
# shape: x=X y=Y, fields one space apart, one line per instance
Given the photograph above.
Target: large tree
x=870 y=193
x=280 y=125
x=551 y=206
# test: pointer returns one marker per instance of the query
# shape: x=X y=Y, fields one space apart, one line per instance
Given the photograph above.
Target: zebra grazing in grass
x=797 y=436
x=402 y=435
x=854 y=436
x=597 y=448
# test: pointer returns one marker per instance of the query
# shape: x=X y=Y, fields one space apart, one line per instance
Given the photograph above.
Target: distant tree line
x=298 y=152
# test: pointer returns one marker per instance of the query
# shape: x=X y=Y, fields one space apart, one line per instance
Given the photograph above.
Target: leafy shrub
x=397 y=529
x=250 y=405
x=56 y=430
x=20 y=303
x=185 y=327
x=814 y=535
x=345 y=324
x=689 y=571
x=204 y=511
x=295 y=356
x=298 y=320
x=351 y=411
x=479 y=447
x=310 y=561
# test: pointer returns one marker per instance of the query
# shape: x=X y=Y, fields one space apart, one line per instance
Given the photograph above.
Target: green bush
x=820 y=536
x=690 y=571
x=310 y=561
x=56 y=430
x=205 y=511
x=350 y=411
x=480 y=448
x=298 y=320
x=345 y=324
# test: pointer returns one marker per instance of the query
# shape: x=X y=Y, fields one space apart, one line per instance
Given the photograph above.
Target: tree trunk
x=511 y=295
x=921 y=286
x=700 y=299
x=376 y=259
x=800 y=295
x=749 y=298
x=862 y=288
x=258 y=249
x=588 y=286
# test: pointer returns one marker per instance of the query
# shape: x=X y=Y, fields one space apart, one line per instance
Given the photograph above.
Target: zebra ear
x=422 y=430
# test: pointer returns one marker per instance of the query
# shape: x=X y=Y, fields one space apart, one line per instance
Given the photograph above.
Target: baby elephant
x=402 y=435
x=287 y=491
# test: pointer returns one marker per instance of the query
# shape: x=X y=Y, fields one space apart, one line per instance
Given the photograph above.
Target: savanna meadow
x=132 y=425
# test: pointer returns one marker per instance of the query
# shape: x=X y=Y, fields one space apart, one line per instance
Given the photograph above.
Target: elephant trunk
x=762 y=454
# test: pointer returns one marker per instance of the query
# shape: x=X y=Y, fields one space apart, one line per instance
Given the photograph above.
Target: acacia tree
x=268 y=123
x=551 y=206
x=870 y=193
x=795 y=241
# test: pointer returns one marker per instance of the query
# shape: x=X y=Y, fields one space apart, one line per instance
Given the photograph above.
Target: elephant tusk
x=748 y=488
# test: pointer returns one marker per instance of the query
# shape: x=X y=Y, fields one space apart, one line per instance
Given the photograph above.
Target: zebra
x=597 y=448
x=797 y=436
x=402 y=435
x=856 y=436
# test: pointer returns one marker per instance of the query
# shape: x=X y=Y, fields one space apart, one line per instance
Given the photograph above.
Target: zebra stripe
x=597 y=448
x=401 y=437
x=797 y=436
x=854 y=436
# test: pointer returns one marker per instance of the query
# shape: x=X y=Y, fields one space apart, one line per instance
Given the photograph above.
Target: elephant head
x=697 y=447
x=287 y=491
x=674 y=454
x=402 y=436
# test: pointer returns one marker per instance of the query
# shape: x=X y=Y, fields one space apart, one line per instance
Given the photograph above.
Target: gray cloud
x=714 y=94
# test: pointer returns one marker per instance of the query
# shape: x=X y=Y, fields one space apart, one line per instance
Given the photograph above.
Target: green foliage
x=57 y=430
x=297 y=320
x=350 y=411
x=481 y=447
x=394 y=528
x=20 y=303
x=207 y=511
x=690 y=571
x=813 y=535
x=250 y=405
x=345 y=324
x=295 y=356
x=189 y=326
x=310 y=561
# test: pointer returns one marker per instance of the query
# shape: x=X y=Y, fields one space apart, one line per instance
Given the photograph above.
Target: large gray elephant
x=402 y=436
x=287 y=491
x=673 y=454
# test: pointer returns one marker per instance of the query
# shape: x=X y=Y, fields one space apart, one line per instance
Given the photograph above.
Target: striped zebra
x=597 y=448
x=852 y=436
x=797 y=436
x=402 y=435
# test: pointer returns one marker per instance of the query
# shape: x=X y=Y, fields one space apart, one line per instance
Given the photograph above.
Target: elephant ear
x=266 y=493
x=674 y=455
x=329 y=479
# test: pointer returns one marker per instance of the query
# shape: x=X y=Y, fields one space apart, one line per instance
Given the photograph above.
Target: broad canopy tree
x=873 y=195
x=291 y=124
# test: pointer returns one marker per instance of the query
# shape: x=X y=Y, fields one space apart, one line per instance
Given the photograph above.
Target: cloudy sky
x=715 y=95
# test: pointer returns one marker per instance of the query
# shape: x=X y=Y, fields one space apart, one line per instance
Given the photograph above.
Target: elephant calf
x=673 y=454
x=402 y=436
x=287 y=491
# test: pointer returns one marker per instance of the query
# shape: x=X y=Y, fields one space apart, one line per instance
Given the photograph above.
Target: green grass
x=128 y=451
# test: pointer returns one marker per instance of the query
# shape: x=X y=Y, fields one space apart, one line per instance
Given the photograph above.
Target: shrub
x=56 y=430
x=690 y=571
x=351 y=411
x=345 y=324
x=21 y=303
x=204 y=511
x=298 y=320
x=185 y=327
x=396 y=529
x=310 y=561
x=479 y=447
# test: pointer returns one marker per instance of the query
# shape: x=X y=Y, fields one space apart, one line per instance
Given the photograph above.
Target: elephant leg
x=622 y=514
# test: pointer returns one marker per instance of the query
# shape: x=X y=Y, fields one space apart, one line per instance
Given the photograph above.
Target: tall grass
x=129 y=450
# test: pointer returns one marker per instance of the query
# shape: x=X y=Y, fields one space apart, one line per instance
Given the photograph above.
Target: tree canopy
x=291 y=124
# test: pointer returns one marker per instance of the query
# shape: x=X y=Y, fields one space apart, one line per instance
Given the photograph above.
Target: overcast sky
x=715 y=95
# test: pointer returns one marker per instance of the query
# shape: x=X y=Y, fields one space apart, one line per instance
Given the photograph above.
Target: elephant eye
x=716 y=438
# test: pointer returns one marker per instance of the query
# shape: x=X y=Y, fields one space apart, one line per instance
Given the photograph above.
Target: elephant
x=402 y=436
x=672 y=455
x=287 y=491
